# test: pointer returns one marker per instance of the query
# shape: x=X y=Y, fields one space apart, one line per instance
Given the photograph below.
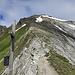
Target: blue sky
x=16 y=9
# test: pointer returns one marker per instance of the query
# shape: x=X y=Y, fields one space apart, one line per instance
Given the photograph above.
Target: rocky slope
x=47 y=44
x=2 y=29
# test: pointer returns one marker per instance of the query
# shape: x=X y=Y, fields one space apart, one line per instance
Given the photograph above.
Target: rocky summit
x=44 y=45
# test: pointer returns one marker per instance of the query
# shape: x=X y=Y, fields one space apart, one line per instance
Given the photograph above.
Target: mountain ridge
x=48 y=37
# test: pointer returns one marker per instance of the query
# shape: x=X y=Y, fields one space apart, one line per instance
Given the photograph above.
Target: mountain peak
x=44 y=45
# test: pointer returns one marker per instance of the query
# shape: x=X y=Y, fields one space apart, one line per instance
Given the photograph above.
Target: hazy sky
x=16 y=9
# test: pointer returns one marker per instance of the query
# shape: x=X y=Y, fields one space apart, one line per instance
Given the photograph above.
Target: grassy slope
x=5 y=46
x=60 y=63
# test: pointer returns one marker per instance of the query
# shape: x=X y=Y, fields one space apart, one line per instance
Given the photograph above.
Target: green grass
x=5 y=46
x=60 y=63
x=2 y=67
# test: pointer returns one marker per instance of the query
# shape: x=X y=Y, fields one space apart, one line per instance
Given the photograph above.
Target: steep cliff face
x=48 y=47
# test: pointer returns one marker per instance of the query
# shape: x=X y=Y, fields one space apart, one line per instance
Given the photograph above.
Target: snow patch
x=20 y=27
x=58 y=27
x=23 y=25
x=39 y=19
x=71 y=25
x=25 y=48
x=53 y=18
x=45 y=16
x=58 y=19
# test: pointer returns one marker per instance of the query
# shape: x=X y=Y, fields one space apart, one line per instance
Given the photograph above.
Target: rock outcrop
x=2 y=29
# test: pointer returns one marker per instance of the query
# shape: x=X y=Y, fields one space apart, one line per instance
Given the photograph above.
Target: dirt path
x=34 y=61
x=37 y=65
x=45 y=68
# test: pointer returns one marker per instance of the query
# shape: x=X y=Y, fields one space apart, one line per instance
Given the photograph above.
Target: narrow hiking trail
x=33 y=60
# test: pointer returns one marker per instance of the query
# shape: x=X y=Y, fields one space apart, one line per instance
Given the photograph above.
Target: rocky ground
x=32 y=61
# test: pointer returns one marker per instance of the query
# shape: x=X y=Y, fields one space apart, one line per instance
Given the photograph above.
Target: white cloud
x=15 y=9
